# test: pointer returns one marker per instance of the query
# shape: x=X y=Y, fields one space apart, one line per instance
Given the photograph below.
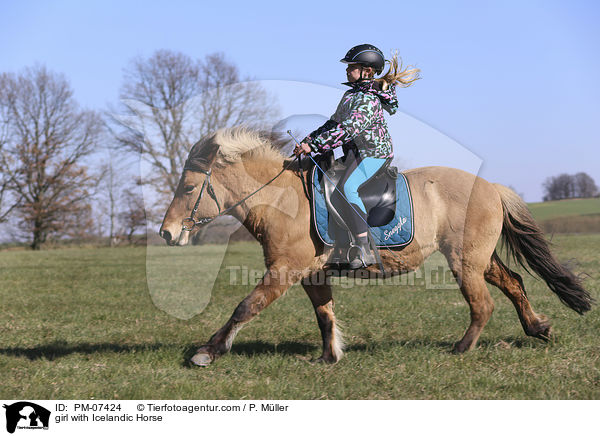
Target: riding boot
x=364 y=254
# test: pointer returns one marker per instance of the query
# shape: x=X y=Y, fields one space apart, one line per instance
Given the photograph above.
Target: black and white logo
x=26 y=415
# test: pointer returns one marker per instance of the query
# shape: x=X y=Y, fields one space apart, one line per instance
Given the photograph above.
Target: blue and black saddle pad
x=397 y=233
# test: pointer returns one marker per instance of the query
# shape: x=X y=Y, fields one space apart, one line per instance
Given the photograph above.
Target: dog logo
x=26 y=415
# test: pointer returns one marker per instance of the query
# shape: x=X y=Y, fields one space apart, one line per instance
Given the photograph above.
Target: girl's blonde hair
x=397 y=75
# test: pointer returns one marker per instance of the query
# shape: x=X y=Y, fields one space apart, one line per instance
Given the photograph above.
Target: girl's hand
x=303 y=148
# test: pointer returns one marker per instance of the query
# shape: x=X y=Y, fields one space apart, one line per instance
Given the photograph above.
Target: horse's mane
x=235 y=142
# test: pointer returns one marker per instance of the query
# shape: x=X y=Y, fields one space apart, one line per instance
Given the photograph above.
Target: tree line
x=67 y=171
x=563 y=186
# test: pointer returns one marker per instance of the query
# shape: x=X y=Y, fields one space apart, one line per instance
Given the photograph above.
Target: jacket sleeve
x=326 y=126
x=360 y=118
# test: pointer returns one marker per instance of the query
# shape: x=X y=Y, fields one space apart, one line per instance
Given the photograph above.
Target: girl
x=359 y=127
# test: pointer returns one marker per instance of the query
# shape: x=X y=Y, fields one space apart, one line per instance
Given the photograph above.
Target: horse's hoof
x=324 y=360
x=459 y=348
x=202 y=359
x=546 y=333
x=542 y=329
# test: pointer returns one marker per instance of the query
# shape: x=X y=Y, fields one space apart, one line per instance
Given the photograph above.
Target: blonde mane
x=235 y=142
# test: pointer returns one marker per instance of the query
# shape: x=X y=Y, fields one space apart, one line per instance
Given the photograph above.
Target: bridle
x=189 y=223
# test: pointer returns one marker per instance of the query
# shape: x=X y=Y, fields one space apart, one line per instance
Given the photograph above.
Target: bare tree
x=559 y=187
x=111 y=184
x=7 y=202
x=5 y=211
x=133 y=217
x=585 y=186
x=5 y=196
x=171 y=101
x=228 y=99
x=121 y=210
x=563 y=186
x=110 y=200
x=47 y=138
x=80 y=223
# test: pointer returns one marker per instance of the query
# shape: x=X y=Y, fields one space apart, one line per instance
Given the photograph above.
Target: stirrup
x=364 y=258
x=337 y=258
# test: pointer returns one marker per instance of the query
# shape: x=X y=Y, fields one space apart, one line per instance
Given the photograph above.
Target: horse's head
x=194 y=193
x=241 y=159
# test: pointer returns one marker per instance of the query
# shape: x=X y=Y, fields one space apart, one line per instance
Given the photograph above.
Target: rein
x=188 y=224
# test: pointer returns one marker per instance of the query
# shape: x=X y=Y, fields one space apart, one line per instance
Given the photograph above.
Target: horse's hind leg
x=475 y=291
x=511 y=284
x=322 y=300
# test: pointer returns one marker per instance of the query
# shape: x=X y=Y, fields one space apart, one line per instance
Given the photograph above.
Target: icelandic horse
x=457 y=213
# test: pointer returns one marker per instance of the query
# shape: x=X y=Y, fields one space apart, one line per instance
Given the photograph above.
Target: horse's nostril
x=166 y=235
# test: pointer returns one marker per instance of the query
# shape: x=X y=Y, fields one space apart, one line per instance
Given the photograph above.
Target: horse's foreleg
x=322 y=300
x=274 y=283
x=511 y=284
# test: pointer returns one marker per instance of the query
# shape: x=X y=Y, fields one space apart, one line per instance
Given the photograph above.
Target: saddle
x=378 y=193
x=386 y=196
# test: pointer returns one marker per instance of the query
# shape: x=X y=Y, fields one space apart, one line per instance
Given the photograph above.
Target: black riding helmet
x=367 y=55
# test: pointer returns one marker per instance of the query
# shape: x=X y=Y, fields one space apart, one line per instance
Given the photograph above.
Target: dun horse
x=455 y=212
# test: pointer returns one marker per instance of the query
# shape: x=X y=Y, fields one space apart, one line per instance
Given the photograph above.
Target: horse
x=457 y=213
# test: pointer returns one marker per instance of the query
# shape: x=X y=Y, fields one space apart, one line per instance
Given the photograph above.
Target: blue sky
x=514 y=82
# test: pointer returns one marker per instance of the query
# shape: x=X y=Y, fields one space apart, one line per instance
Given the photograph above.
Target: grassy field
x=580 y=215
x=565 y=208
x=81 y=323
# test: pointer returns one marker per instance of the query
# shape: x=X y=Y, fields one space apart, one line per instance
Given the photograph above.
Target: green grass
x=564 y=208
x=581 y=215
x=81 y=323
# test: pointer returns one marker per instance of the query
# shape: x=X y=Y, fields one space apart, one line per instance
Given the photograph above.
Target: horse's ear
x=202 y=156
x=210 y=151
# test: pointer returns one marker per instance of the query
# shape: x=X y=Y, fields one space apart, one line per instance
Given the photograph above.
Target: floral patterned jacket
x=358 y=122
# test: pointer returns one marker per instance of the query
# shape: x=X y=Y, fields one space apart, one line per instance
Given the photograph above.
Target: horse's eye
x=189 y=188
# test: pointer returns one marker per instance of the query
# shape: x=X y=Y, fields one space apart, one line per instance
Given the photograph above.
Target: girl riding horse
x=358 y=125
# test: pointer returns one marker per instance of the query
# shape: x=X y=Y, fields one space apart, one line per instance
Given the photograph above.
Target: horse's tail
x=524 y=239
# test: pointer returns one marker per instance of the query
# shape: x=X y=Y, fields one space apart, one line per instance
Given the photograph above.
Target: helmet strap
x=361 y=73
x=361 y=78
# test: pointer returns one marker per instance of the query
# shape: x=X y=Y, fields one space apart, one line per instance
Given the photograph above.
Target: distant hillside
x=565 y=208
x=579 y=215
